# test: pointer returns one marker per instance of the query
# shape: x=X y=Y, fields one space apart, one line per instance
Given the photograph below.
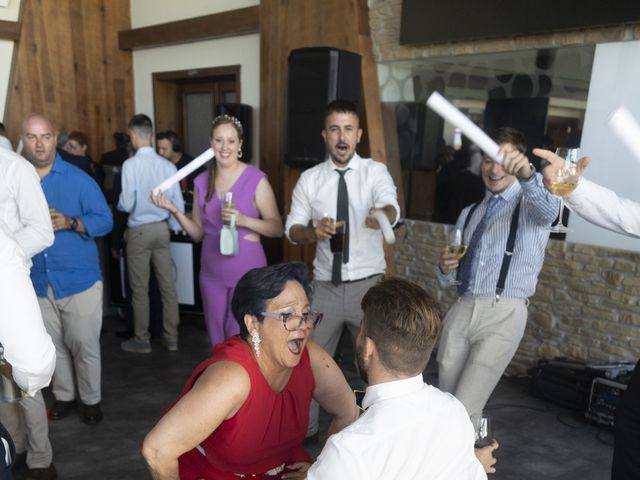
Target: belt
x=362 y=279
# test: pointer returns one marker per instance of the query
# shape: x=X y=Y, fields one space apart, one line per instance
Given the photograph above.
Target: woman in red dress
x=244 y=412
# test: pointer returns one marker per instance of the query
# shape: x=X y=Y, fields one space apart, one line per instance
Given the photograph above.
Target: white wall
x=152 y=12
x=243 y=50
x=615 y=80
x=9 y=13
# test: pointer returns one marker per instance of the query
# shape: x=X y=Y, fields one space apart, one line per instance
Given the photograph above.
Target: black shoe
x=20 y=460
x=92 y=414
x=48 y=473
x=61 y=409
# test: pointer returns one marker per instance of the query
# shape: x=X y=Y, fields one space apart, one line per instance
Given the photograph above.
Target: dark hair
x=259 y=286
x=403 y=321
x=122 y=140
x=172 y=136
x=211 y=166
x=142 y=124
x=79 y=137
x=512 y=136
x=341 y=106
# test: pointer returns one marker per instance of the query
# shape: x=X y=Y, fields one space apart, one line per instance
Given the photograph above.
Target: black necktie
x=342 y=214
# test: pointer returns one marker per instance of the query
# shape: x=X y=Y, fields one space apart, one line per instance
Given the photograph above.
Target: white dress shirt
x=409 y=430
x=23 y=208
x=316 y=195
x=140 y=175
x=604 y=208
x=27 y=346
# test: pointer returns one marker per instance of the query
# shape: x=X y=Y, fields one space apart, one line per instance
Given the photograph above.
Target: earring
x=239 y=153
x=255 y=339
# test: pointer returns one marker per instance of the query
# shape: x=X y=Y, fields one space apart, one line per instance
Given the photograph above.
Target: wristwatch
x=73 y=224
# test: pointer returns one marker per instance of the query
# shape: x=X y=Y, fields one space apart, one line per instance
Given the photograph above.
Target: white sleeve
x=27 y=346
x=300 y=213
x=604 y=208
x=336 y=461
x=384 y=191
x=36 y=232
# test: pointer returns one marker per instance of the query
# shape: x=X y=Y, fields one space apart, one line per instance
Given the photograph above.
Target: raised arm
x=216 y=396
x=332 y=390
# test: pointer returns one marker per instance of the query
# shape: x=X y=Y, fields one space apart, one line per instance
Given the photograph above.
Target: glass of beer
x=456 y=246
x=227 y=201
x=565 y=182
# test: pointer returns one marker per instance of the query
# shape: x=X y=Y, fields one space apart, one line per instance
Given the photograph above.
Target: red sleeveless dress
x=265 y=434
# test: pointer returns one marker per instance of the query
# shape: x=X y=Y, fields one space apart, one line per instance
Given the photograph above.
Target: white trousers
x=74 y=324
x=28 y=425
x=479 y=338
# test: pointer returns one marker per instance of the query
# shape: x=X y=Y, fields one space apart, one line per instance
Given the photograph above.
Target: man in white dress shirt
x=335 y=200
x=25 y=216
x=409 y=430
x=604 y=208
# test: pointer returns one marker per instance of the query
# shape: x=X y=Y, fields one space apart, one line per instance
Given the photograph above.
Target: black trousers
x=7 y=451
x=626 y=448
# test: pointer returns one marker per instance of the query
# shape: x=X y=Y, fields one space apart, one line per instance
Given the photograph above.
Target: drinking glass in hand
x=482 y=427
x=337 y=239
x=455 y=247
x=228 y=201
x=565 y=182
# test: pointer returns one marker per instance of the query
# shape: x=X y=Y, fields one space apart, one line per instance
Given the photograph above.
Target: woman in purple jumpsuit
x=256 y=213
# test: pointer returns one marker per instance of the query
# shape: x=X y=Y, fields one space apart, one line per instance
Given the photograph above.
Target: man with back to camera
x=25 y=214
x=604 y=208
x=339 y=196
x=506 y=235
x=147 y=236
x=66 y=276
x=409 y=430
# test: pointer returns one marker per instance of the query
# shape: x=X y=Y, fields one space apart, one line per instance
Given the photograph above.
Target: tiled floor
x=538 y=440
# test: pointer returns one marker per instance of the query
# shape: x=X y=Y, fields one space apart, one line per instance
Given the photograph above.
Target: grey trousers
x=74 y=323
x=341 y=307
x=479 y=338
x=27 y=423
x=148 y=245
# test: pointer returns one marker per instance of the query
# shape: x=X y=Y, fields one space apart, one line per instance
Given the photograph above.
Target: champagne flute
x=455 y=247
x=483 y=429
x=566 y=182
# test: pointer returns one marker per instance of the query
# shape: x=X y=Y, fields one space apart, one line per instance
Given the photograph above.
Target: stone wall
x=586 y=305
x=384 y=22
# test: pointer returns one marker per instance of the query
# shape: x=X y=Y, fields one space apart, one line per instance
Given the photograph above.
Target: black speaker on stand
x=317 y=76
x=243 y=113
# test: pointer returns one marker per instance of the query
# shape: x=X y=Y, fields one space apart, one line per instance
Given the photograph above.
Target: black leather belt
x=362 y=279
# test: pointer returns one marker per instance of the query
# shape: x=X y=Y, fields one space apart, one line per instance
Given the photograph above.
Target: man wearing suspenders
x=506 y=235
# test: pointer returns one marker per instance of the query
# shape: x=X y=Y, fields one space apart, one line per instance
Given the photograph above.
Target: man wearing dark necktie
x=331 y=206
x=506 y=234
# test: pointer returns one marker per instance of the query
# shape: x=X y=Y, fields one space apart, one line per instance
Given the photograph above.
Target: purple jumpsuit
x=220 y=273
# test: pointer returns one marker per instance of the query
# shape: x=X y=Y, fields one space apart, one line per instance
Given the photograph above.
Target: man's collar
x=396 y=388
x=509 y=194
x=354 y=163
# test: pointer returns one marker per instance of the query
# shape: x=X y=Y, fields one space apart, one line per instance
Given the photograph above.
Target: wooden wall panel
x=290 y=24
x=69 y=67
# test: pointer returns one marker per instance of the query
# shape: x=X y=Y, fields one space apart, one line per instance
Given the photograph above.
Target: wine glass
x=565 y=182
x=456 y=247
x=482 y=427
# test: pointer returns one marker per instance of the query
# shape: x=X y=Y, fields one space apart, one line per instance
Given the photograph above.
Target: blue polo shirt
x=71 y=265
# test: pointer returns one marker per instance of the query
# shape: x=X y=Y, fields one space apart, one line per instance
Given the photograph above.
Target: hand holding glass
x=483 y=431
x=565 y=182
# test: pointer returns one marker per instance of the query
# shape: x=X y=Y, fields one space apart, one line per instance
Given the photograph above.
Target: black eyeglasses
x=293 y=322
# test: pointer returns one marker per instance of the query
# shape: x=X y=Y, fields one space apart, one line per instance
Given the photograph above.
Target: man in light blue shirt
x=506 y=235
x=148 y=237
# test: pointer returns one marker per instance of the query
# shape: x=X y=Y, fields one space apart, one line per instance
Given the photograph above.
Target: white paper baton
x=385 y=226
x=189 y=168
x=626 y=129
x=446 y=110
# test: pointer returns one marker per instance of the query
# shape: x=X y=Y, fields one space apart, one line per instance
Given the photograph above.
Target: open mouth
x=295 y=346
x=342 y=148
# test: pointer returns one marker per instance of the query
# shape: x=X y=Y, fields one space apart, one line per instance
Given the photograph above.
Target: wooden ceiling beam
x=241 y=21
x=9 y=30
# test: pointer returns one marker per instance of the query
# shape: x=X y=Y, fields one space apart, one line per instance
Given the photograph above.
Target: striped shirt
x=538 y=209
